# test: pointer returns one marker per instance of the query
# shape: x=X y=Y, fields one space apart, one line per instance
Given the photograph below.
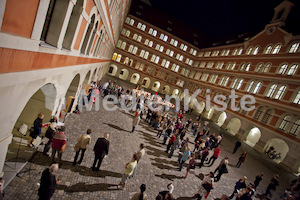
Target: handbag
x=76 y=147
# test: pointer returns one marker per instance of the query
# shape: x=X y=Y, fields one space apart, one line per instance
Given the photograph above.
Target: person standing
x=50 y=134
x=216 y=154
x=191 y=165
x=140 y=154
x=236 y=147
x=59 y=144
x=258 y=178
x=48 y=182
x=101 y=150
x=136 y=119
x=140 y=195
x=205 y=187
x=37 y=128
x=129 y=168
x=222 y=169
x=185 y=156
x=239 y=185
x=203 y=156
x=272 y=186
x=241 y=159
x=174 y=146
x=82 y=142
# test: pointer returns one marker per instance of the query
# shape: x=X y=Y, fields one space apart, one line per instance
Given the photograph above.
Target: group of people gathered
x=176 y=133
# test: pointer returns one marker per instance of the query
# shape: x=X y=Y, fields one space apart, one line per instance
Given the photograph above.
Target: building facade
x=265 y=65
x=49 y=51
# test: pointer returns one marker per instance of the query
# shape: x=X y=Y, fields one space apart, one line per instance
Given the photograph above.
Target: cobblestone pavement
x=156 y=170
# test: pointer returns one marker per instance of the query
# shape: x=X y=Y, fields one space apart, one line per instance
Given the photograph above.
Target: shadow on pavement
x=169 y=176
x=83 y=187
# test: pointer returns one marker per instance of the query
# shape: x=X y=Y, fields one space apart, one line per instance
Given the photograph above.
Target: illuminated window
x=297 y=98
x=171 y=53
x=139 y=26
x=249 y=50
x=127 y=33
x=268 y=49
x=146 y=42
x=154 y=33
x=276 y=49
x=258 y=67
x=131 y=22
x=271 y=90
x=150 y=31
x=282 y=69
x=139 y=39
x=146 y=55
x=280 y=92
x=294 y=48
x=284 y=123
x=135 y=36
x=143 y=27
x=165 y=38
x=295 y=128
x=250 y=86
x=255 y=51
x=266 y=68
x=292 y=70
x=257 y=87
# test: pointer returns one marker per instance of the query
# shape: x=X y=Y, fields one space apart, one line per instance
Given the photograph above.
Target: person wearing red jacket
x=58 y=144
x=212 y=159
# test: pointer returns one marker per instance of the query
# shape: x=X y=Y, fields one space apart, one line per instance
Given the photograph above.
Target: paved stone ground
x=156 y=170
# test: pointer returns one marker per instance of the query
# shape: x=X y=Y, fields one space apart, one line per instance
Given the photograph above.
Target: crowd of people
x=176 y=131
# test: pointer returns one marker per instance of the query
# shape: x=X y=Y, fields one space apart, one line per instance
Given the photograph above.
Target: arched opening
x=42 y=101
x=85 y=83
x=253 y=136
x=135 y=78
x=209 y=113
x=71 y=94
x=181 y=96
x=97 y=46
x=146 y=82
x=234 y=126
x=202 y=106
x=54 y=21
x=124 y=74
x=94 y=77
x=175 y=92
x=76 y=12
x=166 y=89
x=112 y=70
x=155 y=86
x=87 y=35
x=280 y=146
x=221 y=119
x=92 y=39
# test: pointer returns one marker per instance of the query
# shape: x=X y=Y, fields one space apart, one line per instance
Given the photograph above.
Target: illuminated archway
x=155 y=86
x=135 y=78
x=112 y=70
x=280 y=146
x=253 y=136
x=221 y=119
x=234 y=126
x=146 y=82
x=124 y=74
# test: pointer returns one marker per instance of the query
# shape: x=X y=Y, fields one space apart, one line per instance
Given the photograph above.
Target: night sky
x=222 y=18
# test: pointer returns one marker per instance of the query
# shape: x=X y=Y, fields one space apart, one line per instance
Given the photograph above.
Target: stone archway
x=124 y=74
x=112 y=70
x=253 y=136
x=166 y=89
x=209 y=113
x=155 y=86
x=234 y=126
x=135 y=78
x=175 y=92
x=71 y=94
x=42 y=101
x=146 y=82
x=280 y=146
x=221 y=119
x=202 y=105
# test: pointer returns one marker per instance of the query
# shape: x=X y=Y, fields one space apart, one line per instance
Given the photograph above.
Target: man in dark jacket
x=37 y=128
x=239 y=185
x=101 y=150
x=48 y=182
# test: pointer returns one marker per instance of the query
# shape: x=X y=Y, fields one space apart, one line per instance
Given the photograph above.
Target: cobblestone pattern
x=156 y=170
